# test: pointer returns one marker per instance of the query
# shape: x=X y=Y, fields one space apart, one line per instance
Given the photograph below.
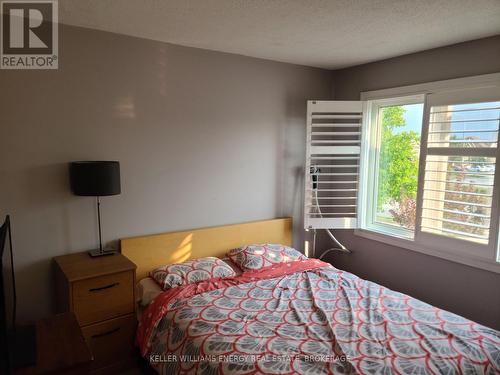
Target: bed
x=299 y=317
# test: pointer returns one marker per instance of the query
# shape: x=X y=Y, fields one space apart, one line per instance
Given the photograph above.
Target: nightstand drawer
x=111 y=341
x=103 y=297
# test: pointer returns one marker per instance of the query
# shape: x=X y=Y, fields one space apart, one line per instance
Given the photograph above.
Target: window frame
x=369 y=181
x=489 y=260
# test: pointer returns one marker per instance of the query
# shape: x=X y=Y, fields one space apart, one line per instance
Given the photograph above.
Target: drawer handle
x=103 y=287
x=105 y=333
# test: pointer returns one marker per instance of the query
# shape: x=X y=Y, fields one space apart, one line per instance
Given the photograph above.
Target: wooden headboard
x=149 y=252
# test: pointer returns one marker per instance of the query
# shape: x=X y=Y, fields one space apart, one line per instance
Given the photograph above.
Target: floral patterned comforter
x=307 y=317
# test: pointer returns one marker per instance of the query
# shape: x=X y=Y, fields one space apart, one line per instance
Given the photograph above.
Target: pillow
x=192 y=271
x=253 y=257
x=147 y=290
x=231 y=264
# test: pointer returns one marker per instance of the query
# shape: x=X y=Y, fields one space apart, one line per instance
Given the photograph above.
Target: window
x=457 y=208
x=418 y=172
x=460 y=170
x=430 y=173
x=393 y=165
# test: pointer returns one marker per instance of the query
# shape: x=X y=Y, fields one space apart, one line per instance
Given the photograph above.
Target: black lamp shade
x=95 y=178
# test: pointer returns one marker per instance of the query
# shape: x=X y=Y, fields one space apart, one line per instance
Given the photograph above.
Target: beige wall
x=468 y=291
x=203 y=138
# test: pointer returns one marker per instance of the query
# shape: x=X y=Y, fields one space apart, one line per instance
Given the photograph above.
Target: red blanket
x=307 y=317
x=157 y=309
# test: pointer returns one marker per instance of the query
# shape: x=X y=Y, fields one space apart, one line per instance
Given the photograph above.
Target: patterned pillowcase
x=253 y=257
x=192 y=271
x=231 y=264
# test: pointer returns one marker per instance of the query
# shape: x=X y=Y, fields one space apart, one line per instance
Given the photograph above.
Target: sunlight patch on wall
x=125 y=107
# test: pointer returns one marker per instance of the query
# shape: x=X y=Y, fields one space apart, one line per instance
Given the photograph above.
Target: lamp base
x=99 y=253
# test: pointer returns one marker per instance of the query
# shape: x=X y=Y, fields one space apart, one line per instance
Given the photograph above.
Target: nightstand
x=100 y=292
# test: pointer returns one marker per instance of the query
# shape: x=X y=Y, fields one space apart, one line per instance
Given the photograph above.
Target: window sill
x=390 y=231
x=489 y=265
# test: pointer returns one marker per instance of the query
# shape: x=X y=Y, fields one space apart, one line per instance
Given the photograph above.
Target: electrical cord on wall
x=340 y=247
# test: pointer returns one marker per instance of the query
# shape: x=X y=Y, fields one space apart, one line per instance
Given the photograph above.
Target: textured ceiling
x=322 y=33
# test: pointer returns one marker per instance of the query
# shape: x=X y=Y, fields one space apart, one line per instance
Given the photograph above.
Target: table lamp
x=95 y=179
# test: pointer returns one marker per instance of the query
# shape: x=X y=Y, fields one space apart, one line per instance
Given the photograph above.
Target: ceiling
x=322 y=33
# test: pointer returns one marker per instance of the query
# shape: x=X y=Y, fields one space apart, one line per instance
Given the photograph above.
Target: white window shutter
x=458 y=194
x=332 y=168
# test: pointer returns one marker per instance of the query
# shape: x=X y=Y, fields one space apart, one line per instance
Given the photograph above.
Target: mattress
x=307 y=317
x=146 y=291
